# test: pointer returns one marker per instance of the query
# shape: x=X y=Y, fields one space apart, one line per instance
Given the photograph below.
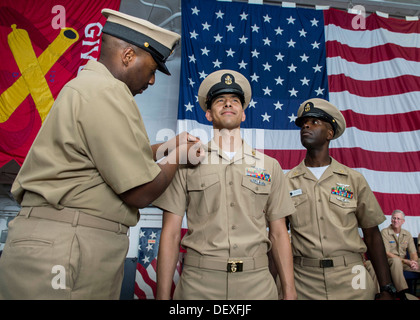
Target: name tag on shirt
x=295 y=193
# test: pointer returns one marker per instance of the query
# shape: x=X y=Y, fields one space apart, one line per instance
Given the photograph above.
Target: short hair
x=398 y=211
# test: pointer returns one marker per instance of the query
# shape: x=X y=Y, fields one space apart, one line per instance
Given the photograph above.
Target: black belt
x=328 y=262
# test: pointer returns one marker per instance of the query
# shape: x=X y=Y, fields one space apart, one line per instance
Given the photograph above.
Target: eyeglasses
x=398 y=219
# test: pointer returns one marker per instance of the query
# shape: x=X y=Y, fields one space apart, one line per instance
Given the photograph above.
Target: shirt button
x=233 y=227
x=230 y=183
x=235 y=246
x=232 y=204
x=203 y=185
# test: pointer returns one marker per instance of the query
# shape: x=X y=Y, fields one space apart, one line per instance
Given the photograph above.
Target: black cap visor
x=158 y=51
x=319 y=114
x=218 y=91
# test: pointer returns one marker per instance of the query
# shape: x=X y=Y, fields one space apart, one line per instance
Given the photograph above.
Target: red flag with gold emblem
x=43 y=45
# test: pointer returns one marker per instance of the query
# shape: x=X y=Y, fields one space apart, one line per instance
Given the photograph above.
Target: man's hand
x=191 y=153
x=413 y=265
x=167 y=147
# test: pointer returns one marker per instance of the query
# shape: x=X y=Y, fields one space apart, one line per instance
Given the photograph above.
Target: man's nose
x=306 y=123
x=152 y=80
x=228 y=103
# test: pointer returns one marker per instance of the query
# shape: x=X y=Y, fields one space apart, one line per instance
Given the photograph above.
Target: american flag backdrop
x=292 y=54
x=145 y=279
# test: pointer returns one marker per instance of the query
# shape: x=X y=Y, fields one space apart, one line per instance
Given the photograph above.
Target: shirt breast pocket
x=204 y=193
x=303 y=214
x=257 y=195
x=344 y=210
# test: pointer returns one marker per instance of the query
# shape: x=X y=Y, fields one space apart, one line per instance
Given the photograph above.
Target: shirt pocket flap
x=298 y=200
x=342 y=201
x=259 y=186
x=203 y=182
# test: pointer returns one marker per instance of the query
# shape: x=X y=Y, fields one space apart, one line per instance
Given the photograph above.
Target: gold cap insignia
x=228 y=80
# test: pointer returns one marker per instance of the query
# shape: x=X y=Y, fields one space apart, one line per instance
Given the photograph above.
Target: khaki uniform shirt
x=330 y=210
x=92 y=147
x=228 y=202
x=398 y=245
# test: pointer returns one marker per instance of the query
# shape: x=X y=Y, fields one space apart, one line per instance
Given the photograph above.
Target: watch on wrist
x=390 y=288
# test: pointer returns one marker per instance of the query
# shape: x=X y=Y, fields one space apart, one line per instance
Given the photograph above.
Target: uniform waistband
x=74 y=217
x=328 y=262
x=226 y=264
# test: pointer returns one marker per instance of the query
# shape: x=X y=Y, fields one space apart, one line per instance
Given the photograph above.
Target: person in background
x=88 y=172
x=398 y=242
x=418 y=244
x=331 y=202
x=229 y=200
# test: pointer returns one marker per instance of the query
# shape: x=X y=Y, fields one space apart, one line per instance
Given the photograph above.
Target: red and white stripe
x=374 y=78
x=145 y=280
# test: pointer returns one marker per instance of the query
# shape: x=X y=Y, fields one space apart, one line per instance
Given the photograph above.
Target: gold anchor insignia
x=228 y=80
x=235 y=266
x=307 y=107
x=33 y=70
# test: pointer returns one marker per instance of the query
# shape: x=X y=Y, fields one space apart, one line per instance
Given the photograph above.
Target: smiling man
x=229 y=200
x=331 y=202
x=398 y=242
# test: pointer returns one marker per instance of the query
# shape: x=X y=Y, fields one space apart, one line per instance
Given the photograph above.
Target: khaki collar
x=99 y=67
x=391 y=232
x=245 y=152
x=335 y=167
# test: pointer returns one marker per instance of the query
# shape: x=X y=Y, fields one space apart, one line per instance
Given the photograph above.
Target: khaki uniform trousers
x=45 y=259
x=345 y=282
x=397 y=273
x=397 y=269
x=200 y=283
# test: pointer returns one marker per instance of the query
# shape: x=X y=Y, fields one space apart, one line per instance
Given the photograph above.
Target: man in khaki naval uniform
x=229 y=200
x=398 y=242
x=331 y=202
x=88 y=171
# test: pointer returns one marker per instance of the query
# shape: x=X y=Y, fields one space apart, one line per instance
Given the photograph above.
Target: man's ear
x=127 y=56
x=243 y=115
x=208 y=115
x=330 y=135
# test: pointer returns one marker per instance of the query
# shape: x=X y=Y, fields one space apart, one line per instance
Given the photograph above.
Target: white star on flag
x=287 y=50
x=280 y=51
x=266 y=117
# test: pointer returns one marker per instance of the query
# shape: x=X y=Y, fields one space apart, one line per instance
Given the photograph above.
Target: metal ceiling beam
x=398 y=9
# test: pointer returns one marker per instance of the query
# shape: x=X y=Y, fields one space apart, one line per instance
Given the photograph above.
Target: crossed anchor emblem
x=33 y=70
